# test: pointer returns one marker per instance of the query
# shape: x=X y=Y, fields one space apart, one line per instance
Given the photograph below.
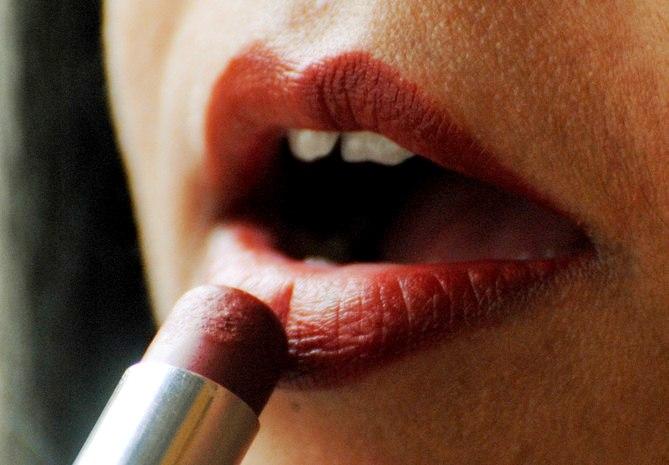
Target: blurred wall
x=20 y=441
x=73 y=310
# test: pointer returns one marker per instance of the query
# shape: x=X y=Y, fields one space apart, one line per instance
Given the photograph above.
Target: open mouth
x=379 y=228
x=359 y=197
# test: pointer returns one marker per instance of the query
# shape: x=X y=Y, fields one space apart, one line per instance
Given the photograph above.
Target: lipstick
x=195 y=396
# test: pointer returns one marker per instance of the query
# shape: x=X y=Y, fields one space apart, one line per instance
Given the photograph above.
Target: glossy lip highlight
x=343 y=320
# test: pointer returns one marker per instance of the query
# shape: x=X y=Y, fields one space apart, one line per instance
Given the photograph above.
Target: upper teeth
x=311 y=145
x=359 y=146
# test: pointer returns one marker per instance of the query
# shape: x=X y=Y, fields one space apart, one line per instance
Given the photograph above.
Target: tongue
x=463 y=220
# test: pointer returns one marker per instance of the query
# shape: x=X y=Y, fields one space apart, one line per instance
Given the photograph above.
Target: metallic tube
x=164 y=415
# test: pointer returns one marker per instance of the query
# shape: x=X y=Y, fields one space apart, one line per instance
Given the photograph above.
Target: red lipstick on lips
x=344 y=319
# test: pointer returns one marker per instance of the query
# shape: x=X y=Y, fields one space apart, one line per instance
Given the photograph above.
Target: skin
x=572 y=96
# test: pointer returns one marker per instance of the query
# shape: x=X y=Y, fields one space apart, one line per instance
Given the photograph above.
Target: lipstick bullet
x=195 y=397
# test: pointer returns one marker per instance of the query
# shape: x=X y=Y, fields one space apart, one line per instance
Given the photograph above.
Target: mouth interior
x=415 y=212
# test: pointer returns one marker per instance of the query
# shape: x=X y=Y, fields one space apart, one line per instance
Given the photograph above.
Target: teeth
x=310 y=145
x=369 y=146
x=319 y=261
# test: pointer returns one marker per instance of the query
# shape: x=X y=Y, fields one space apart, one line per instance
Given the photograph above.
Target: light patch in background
x=20 y=441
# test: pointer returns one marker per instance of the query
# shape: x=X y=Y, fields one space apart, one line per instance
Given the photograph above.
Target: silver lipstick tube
x=164 y=415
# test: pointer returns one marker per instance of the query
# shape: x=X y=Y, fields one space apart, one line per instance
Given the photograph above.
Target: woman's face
x=487 y=329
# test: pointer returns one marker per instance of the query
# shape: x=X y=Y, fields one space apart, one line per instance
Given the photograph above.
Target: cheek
x=159 y=57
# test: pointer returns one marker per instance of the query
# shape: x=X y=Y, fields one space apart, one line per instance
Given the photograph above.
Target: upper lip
x=339 y=319
x=259 y=96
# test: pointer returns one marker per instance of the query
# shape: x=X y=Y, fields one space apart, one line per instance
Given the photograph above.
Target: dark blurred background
x=73 y=308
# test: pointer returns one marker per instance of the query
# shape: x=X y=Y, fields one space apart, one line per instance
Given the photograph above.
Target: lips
x=344 y=319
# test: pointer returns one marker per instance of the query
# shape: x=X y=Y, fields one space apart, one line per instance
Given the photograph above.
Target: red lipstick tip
x=228 y=336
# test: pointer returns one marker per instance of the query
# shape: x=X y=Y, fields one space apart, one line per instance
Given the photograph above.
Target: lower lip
x=343 y=320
